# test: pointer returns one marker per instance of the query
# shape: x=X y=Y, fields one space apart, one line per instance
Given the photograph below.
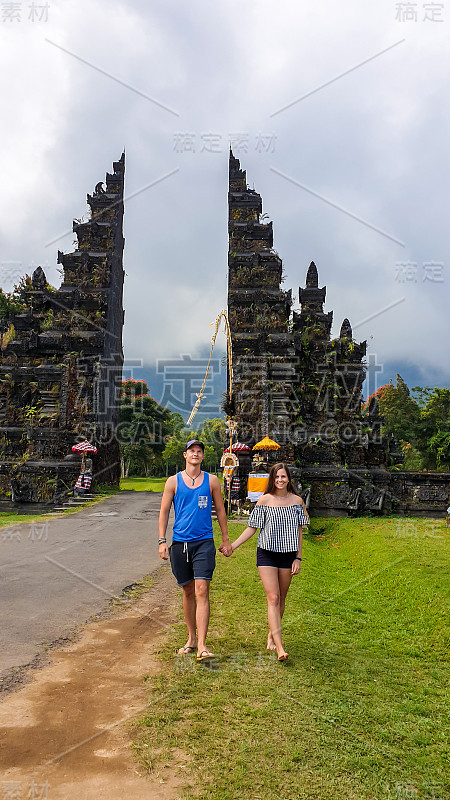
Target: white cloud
x=373 y=142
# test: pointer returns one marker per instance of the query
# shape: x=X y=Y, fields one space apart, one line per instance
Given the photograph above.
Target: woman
x=281 y=515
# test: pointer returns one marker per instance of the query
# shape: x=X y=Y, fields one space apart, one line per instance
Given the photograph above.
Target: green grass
x=135 y=590
x=360 y=710
x=10 y=518
x=147 y=484
x=7 y=518
x=101 y=492
x=143 y=484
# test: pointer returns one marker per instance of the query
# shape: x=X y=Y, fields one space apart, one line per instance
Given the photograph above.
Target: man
x=192 y=553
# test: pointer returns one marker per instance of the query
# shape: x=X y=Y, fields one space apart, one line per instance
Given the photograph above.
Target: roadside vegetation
x=138 y=484
x=8 y=518
x=152 y=438
x=420 y=422
x=360 y=709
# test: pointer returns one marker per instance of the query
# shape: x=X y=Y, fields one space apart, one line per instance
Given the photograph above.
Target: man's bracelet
x=297 y=558
x=162 y=541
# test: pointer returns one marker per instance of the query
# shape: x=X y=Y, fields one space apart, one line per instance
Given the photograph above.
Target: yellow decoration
x=266 y=444
x=229 y=460
x=257 y=483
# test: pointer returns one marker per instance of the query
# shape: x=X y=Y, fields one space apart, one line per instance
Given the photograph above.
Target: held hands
x=226 y=548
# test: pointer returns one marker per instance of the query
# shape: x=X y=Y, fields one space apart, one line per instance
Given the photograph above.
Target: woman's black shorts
x=268 y=558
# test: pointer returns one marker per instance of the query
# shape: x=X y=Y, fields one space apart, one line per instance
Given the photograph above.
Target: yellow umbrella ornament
x=266 y=444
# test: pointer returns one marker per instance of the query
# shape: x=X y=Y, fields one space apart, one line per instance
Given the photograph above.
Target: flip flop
x=186 y=650
x=205 y=655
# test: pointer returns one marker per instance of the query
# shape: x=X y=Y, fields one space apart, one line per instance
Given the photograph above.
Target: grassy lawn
x=147 y=484
x=360 y=710
x=7 y=518
x=138 y=484
x=10 y=518
x=143 y=484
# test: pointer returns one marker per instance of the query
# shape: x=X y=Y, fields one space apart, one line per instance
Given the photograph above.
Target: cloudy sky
x=338 y=111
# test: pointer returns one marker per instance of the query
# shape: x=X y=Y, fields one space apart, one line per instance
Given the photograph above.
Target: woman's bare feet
x=270 y=642
x=282 y=655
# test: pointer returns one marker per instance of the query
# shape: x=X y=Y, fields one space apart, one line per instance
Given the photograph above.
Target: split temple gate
x=294 y=383
x=61 y=360
x=61 y=366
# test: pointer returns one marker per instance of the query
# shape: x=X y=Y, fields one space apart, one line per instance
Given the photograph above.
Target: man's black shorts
x=193 y=560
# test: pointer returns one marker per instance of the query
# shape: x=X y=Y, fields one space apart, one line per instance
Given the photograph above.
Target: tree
x=439 y=448
x=144 y=426
x=136 y=459
x=13 y=302
x=419 y=421
x=412 y=459
x=175 y=447
x=433 y=430
x=213 y=433
x=176 y=422
x=401 y=413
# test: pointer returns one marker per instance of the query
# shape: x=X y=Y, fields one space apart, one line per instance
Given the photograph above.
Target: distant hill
x=174 y=382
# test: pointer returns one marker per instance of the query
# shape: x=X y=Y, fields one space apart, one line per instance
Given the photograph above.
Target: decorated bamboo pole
x=223 y=315
x=231 y=424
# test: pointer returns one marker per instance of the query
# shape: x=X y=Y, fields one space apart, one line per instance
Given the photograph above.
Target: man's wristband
x=297 y=558
x=162 y=541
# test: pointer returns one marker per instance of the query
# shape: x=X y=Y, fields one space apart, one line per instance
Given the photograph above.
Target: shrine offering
x=256 y=485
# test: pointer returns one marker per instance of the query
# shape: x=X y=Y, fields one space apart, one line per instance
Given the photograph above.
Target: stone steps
x=73 y=502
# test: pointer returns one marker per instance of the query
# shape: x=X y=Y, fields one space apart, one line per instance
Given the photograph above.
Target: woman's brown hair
x=270 y=489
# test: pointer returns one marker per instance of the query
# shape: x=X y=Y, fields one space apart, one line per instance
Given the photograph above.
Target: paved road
x=55 y=575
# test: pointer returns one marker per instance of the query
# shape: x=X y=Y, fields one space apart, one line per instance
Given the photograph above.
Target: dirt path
x=66 y=732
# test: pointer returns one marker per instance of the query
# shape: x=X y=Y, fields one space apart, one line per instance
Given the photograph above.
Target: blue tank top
x=192 y=511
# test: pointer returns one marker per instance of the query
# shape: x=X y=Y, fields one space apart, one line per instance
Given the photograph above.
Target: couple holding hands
x=280 y=514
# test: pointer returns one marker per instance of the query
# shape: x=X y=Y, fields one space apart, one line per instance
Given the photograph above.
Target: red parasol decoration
x=84 y=447
x=238 y=447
